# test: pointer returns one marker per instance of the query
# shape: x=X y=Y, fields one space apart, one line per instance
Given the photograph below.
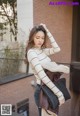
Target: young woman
x=38 y=57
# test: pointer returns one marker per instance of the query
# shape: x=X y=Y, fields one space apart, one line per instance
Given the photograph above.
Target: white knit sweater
x=39 y=60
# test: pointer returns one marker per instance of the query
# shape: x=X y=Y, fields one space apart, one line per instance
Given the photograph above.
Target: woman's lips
x=39 y=44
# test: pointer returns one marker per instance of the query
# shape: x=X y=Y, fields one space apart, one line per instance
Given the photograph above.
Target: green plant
x=11 y=62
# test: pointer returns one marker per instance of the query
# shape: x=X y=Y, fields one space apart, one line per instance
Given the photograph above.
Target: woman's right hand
x=61 y=100
x=60 y=97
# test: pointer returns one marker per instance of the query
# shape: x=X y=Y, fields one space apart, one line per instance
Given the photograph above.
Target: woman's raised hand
x=43 y=25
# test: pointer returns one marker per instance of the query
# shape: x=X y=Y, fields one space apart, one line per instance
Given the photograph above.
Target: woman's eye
x=37 y=37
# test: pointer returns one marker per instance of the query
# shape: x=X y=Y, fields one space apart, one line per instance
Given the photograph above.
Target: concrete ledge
x=10 y=78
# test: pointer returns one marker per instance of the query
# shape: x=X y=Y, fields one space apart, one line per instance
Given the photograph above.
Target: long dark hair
x=30 y=43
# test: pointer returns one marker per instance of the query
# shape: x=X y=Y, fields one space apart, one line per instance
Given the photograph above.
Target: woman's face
x=39 y=39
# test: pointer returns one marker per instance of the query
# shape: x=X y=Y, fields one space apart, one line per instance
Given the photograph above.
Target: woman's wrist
x=61 y=100
x=46 y=30
x=59 y=95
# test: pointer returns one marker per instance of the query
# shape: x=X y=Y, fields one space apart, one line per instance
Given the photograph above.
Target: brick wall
x=14 y=92
x=59 y=21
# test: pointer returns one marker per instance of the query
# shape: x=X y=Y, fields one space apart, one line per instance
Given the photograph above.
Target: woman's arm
x=32 y=58
x=55 y=48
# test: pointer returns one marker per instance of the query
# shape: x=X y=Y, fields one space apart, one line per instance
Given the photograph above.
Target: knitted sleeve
x=33 y=59
x=55 y=48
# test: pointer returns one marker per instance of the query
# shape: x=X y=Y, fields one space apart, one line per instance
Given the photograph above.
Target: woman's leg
x=36 y=96
x=44 y=113
x=39 y=111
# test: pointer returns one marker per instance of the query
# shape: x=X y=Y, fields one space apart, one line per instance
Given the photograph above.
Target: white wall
x=25 y=18
x=25 y=23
